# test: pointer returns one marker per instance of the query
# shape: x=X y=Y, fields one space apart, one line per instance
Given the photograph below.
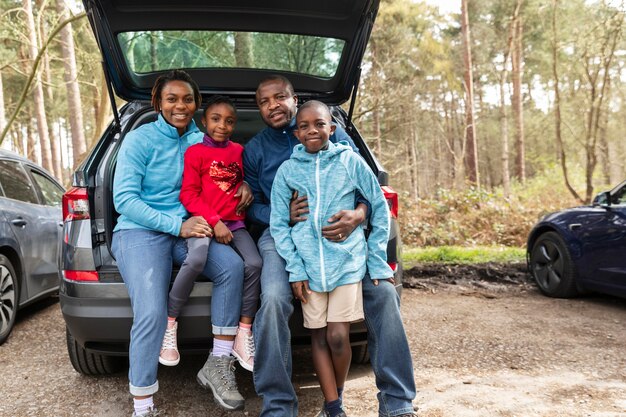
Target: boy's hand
x=195 y=226
x=223 y=233
x=344 y=222
x=375 y=281
x=298 y=207
x=245 y=194
x=300 y=290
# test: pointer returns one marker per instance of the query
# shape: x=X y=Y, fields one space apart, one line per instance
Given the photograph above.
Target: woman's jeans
x=387 y=342
x=145 y=261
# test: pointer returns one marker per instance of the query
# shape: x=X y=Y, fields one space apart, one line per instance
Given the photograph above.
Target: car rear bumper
x=99 y=317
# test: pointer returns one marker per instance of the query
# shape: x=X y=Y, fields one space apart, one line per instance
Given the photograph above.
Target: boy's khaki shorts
x=343 y=304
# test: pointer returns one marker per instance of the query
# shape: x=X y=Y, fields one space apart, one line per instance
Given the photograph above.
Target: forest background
x=485 y=118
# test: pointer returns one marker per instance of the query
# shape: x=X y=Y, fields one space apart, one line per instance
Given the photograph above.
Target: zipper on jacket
x=319 y=221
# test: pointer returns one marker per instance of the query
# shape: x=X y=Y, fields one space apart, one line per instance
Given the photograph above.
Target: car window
x=150 y=51
x=619 y=197
x=15 y=182
x=52 y=193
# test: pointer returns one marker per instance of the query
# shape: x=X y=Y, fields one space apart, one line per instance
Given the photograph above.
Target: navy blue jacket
x=262 y=156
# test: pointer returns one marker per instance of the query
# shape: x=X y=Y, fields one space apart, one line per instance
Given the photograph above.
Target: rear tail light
x=392 y=200
x=75 y=204
x=76 y=207
x=81 y=275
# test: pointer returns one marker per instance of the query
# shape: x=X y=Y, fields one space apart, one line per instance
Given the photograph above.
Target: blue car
x=581 y=249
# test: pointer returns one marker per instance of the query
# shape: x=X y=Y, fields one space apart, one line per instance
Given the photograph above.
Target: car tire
x=9 y=297
x=360 y=354
x=552 y=268
x=91 y=364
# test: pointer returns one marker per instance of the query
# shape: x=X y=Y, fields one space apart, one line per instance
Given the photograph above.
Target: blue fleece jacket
x=148 y=177
x=330 y=179
x=261 y=158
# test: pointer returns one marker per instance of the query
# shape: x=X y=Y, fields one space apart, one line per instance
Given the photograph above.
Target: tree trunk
x=55 y=151
x=471 y=151
x=243 y=50
x=557 y=104
x=516 y=99
x=39 y=105
x=74 y=104
x=3 y=116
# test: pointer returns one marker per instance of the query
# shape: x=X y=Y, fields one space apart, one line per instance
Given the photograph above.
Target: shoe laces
x=249 y=345
x=169 y=340
x=226 y=370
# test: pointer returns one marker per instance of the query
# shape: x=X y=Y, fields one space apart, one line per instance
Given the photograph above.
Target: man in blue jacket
x=388 y=346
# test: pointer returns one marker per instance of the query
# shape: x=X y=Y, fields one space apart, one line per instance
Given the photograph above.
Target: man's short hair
x=277 y=77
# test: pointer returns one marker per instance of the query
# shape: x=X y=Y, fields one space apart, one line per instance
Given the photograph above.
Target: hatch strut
x=355 y=91
x=107 y=77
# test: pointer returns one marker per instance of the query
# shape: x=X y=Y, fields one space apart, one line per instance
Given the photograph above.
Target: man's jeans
x=388 y=345
x=145 y=259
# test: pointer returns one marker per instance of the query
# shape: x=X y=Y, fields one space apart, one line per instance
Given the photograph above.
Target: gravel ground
x=483 y=345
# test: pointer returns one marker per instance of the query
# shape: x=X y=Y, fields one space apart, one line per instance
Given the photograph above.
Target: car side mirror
x=602 y=199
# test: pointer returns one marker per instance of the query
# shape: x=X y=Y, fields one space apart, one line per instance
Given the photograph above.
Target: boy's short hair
x=218 y=99
x=315 y=103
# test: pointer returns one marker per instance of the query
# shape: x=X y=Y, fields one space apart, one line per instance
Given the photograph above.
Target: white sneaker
x=243 y=349
x=169 y=355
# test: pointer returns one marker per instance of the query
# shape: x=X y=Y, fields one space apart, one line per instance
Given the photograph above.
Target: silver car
x=30 y=229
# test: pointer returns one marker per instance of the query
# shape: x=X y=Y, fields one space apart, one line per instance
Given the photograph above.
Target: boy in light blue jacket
x=326 y=276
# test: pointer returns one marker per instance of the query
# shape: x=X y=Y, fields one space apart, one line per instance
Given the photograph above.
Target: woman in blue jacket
x=150 y=236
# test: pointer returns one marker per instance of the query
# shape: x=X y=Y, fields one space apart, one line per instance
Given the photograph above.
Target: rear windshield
x=150 y=51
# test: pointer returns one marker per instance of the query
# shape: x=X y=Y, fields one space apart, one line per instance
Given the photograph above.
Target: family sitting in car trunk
x=183 y=196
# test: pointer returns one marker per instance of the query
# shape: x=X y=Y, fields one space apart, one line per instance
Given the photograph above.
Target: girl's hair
x=174 y=75
x=218 y=99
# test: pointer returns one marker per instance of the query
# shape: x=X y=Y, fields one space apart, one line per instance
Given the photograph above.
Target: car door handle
x=575 y=226
x=19 y=222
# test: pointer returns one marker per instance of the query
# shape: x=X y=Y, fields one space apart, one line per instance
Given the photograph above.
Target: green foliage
x=473 y=217
x=462 y=255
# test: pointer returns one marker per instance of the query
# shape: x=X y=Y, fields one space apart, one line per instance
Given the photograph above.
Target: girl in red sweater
x=212 y=176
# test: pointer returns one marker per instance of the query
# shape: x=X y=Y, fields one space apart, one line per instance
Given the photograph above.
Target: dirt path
x=490 y=347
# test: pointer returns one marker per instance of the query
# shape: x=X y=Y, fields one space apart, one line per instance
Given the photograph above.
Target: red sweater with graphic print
x=211 y=178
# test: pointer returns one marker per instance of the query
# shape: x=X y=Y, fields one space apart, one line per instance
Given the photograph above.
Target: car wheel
x=360 y=354
x=552 y=267
x=88 y=363
x=9 y=297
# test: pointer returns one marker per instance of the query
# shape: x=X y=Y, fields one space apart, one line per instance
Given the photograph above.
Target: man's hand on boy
x=300 y=290
x=246 y=198
x=223 y=233
x=344 y=222
x=195 y=226
x=375 y=281
x=298 y=208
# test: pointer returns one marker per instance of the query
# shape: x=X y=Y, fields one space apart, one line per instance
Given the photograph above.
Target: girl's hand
x=222 y=233
x=300 y=290
x=245 y=194
x=195 y=226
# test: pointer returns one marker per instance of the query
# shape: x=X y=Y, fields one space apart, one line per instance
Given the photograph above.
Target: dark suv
x=227 y=47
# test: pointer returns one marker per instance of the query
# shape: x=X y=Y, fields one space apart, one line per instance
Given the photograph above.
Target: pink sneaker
x=243 y=349
x=169 y=355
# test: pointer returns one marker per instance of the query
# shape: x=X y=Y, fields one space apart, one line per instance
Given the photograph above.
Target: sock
x=245 y=326
x=340 y=393
x=170 y=321
x=333 y=408
x=222 y=347
x=143 y=406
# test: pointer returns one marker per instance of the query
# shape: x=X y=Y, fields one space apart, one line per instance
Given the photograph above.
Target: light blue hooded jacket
x=148 y=177
x=329 y=179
